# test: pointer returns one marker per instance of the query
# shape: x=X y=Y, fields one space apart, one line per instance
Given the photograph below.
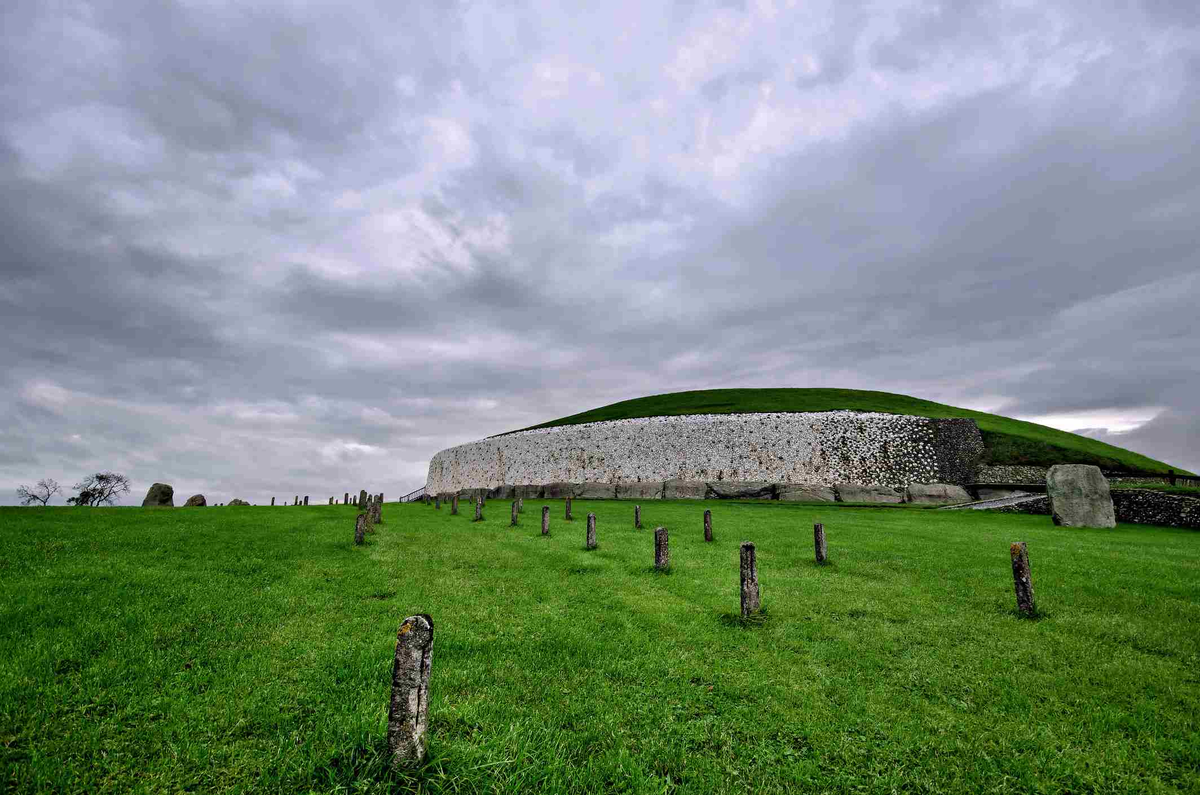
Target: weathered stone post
x=520 y=505
x=331 y=500
x=515 y=510
x=545 y=520
x=409 y=709
x=296 y=500
x=591 y=531
x=376 y=513
x=306 y=499
x=708 y=525
x=362 y=496
x=750 y=596
x=478 y=509
x=568 y=516
x=662 y=552
x=272 y=502
x=819 y=541
x=454 y=505
x=381 y=496
x=437 y=502
x=637 y=517
x=346 y=499
x=360 y=529
x=1022 y=581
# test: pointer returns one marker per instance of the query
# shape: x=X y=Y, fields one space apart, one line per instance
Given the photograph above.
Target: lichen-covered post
x=1022 y=581
x=568 y=516
x=708 y=525
x=662 y=550
x=478 y=509
x=408 y=712
x=360 y=529
x=750 y=595
x=637 y=517
x=362 y=497
x=545 y=520
x=819 y=541
x=591 y=531
x=513 y=523
x=376 y=512
x=454 y=505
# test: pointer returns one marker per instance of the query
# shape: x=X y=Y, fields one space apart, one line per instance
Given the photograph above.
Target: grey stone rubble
x=1079 y=496
x=408 y=710
x=819 y=448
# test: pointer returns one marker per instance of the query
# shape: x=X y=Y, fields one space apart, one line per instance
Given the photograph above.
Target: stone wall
x=1133 y=506
x=823 y=448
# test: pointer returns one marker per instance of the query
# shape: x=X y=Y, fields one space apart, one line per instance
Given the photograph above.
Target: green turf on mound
x=1008 y=441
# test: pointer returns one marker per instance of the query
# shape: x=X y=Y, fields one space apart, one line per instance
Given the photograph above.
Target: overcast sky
x=258 y=250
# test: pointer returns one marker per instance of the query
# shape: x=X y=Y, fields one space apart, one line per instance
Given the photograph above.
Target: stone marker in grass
x=591 y=531
x=362 y=496
x=381 y=496
x=296 y=500
x=708 y=525
x=662 y=550
x=360 y=529
x=408 y=712
x=520 y=505
x=376 y=512
x=750 y=595
x=272 y=501
x=637 y=517
x=454 y=505
x=306 y=499
x=819 y=541
x=568 y=516
x=513 y=523
x=437 y=502
x=346 y=499
x=1022 y=582
x=478 y=509
x=545 y=520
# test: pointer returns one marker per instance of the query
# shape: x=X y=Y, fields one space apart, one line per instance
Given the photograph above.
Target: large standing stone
x=362 y=497
x=346 y=498
x=376 y=513
x=740 y=490
x=590 y=542
x=360 y=529
x=803 y=492
x=272 y=502
x=409 y=708
x=198 y=501
x=751 y=601
x=849 y=492
x=1079 y=496
x=306 y=499
x=644 y=490
x=160 y=495
x=662 y=549
x=237 y=502
x=684 y=490
x=935 y=493
x=296 y=499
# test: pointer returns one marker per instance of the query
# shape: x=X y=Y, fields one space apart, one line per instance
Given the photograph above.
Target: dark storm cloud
x=255 y=250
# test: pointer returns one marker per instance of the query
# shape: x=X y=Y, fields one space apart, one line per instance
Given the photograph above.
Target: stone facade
x=817 y=448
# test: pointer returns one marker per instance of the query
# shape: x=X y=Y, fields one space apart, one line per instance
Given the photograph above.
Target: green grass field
x=1008 y=441
x=249 y=649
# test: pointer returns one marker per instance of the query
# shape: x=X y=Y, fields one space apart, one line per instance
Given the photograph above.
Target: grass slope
x=249 y=649
x=1008 y=441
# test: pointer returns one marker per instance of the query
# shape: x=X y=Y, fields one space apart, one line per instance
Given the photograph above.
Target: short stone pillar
x=568 y=516
x=545 y=520
x=381 y=496
x=346 y=499
x=637 y=517
x=751 y=601
x=331 y=500
x=272 y=502
x=360 y=529
x=819 y=542
x=306 y=499
x=437 y=502
x=296 y=500
x=591 y=531
x=454 y=505
x=408 y=712
x=362 y=496
x=376 y=513
x=1022 y=581
x=520 y=505
x=662 y=549
x=478 y=509
x=708 y=525
x=513 y=523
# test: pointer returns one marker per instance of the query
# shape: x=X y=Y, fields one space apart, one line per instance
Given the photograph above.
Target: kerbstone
x=740 y=490
x=684 y=490
x=802 y=492
x=849 y=492
x=937 y=493
x=596 y=491
x=1079 y=496
x=645 y=490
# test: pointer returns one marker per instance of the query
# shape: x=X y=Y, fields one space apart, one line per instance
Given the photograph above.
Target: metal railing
x=413 y=496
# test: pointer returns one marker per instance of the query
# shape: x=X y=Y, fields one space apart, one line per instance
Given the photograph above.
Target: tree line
x=102 y=488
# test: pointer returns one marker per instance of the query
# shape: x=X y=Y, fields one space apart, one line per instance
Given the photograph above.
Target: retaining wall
x=820 y=448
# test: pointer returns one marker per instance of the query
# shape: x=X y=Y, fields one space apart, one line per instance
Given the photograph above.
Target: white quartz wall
x=821 y=447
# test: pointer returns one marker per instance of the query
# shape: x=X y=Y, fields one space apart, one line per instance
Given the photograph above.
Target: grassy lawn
x=249 y=649
x=1008 y=441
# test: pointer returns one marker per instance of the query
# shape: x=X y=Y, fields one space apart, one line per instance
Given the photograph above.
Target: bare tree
x=42 y=492
x=103 y=488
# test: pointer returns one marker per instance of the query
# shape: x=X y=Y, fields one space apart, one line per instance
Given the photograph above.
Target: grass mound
x=1008 y=441
x=249 y=650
